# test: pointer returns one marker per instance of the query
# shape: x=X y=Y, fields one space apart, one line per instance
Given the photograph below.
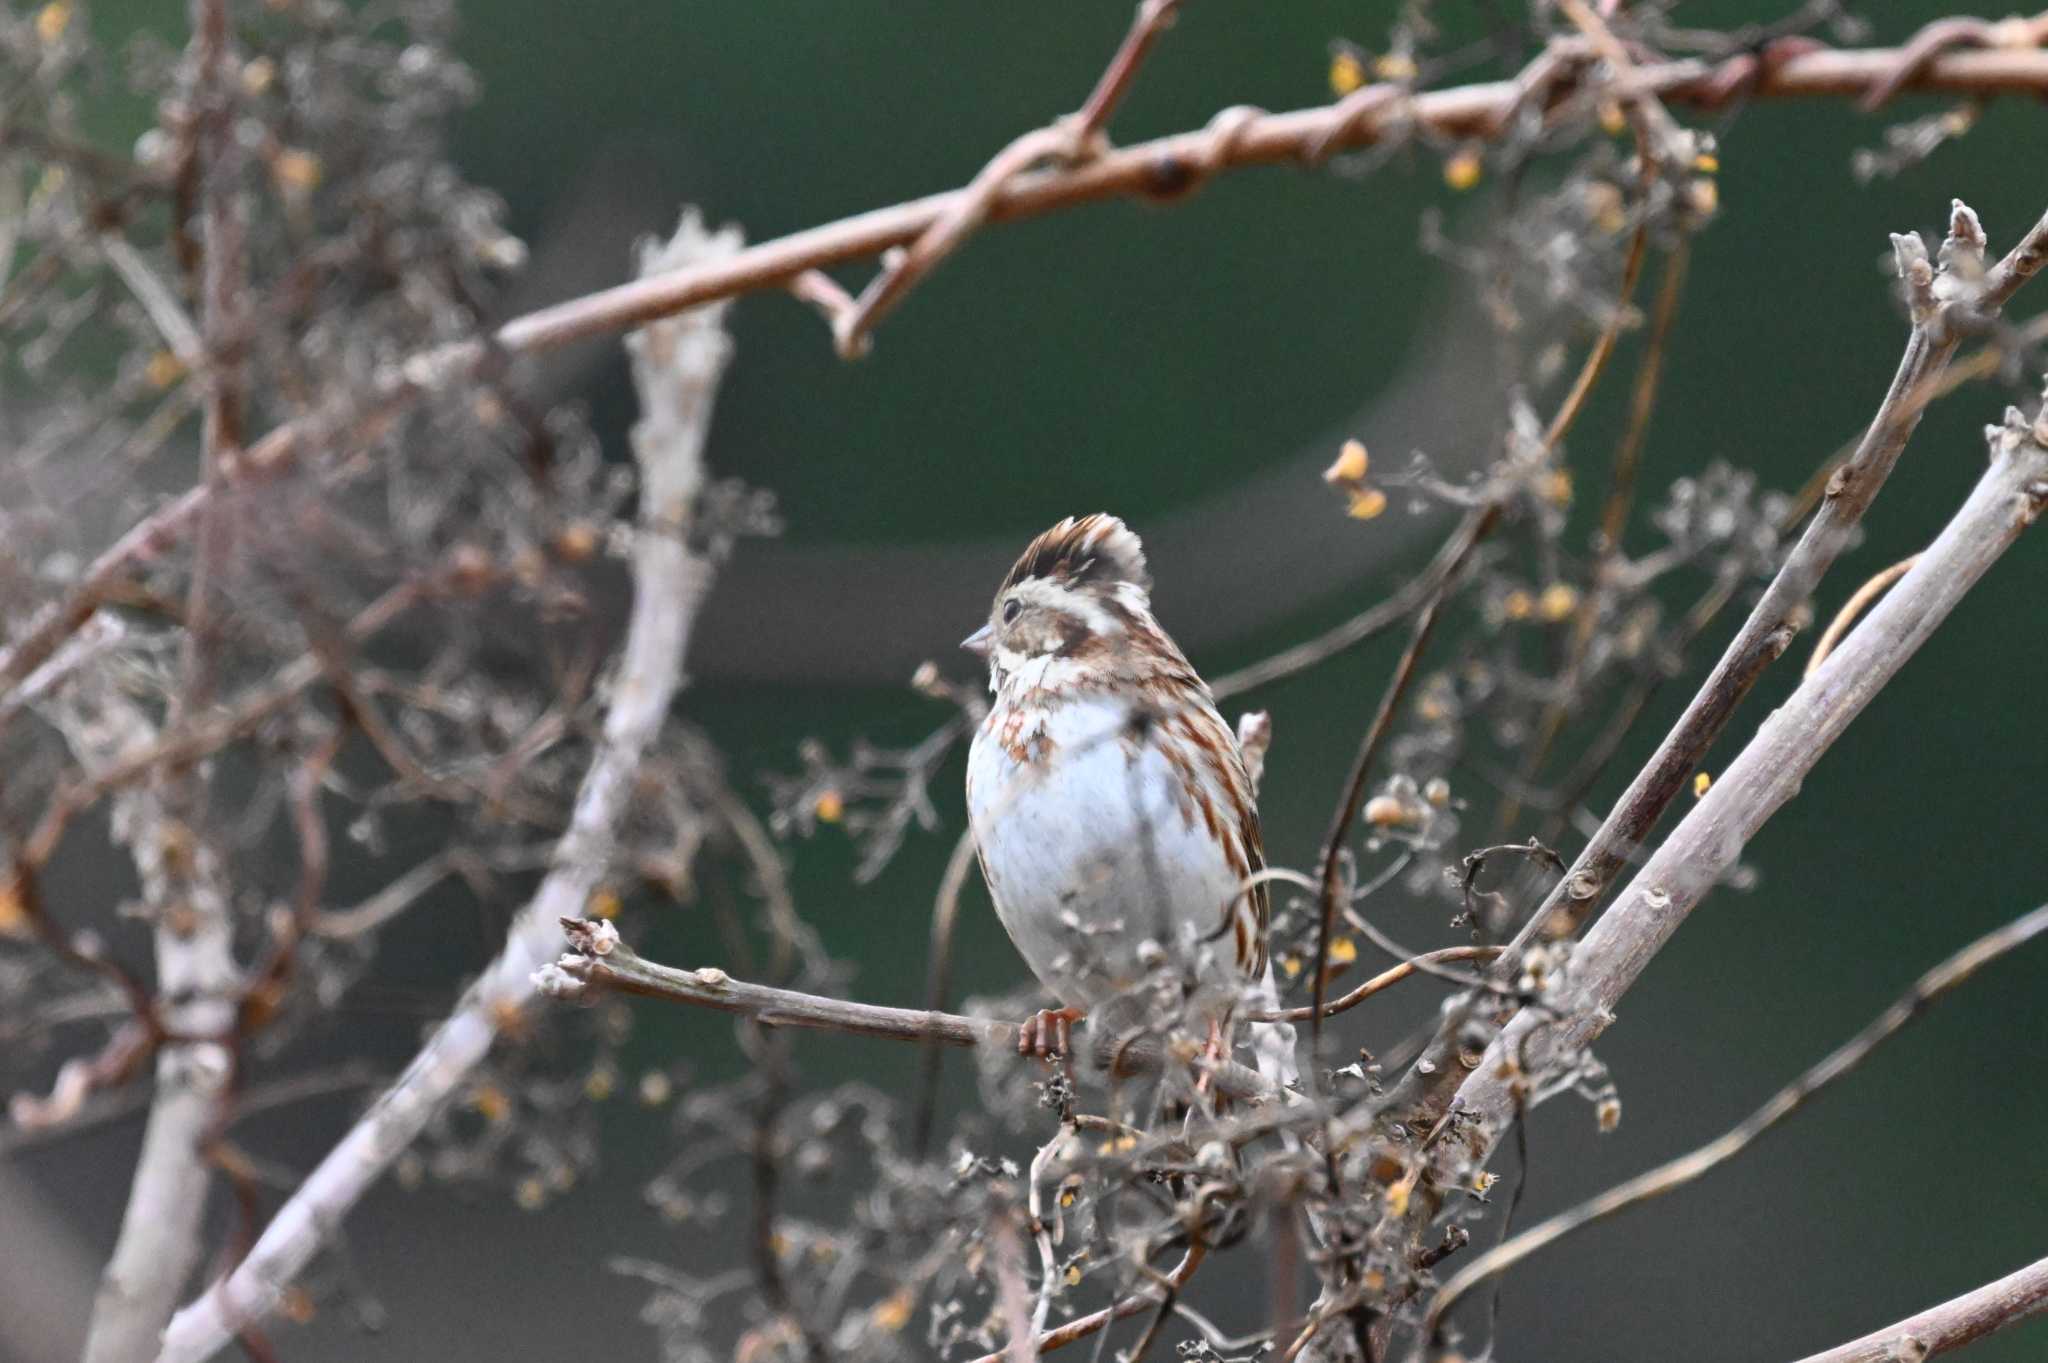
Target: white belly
x=1089 y=854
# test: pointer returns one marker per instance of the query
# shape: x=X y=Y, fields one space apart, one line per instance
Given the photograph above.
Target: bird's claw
x=1048 y=1033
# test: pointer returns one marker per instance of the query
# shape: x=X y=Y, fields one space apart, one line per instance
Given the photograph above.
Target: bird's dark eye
x=1010 y=609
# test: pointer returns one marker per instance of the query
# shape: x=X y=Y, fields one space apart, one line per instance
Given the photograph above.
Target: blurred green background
x=1175 y=365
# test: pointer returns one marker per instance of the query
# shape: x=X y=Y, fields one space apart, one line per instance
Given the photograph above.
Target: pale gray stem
x=1962 y=1320
x=676 y=367
x=197 y=985
x=1761 y=779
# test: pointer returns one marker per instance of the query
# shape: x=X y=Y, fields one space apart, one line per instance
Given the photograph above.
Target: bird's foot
x=1213 y=1053
x=1048 y=1032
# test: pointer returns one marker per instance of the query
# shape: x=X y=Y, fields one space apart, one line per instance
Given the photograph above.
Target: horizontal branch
x=598 y=959
x=1163 y=168
x=1962 y=1320
x=1170 y=166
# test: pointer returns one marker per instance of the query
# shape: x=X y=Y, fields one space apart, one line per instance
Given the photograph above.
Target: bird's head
x=1080 y=588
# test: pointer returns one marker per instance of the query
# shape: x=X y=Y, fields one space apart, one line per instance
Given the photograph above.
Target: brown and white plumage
x=1109 y=802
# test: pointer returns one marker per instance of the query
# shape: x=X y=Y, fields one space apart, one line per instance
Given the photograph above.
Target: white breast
x=1089 y=853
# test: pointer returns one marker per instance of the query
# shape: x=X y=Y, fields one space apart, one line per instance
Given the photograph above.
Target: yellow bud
x=1612 y=120
x=1484 y=1180
x=1461 y=172
x=163 y=369
x=259 y=75
x=1517 y=604
x=1701 y=783
x=1704 y=196
x=1290 y=966
x=491 y=1103
x=598 y=1085
x=1706 y=163
x=892 y=1312
x=604 y=903
x=1385 y=811
x=1366 y=503
x=296 y=170
x=1557 y=487
x=1350 y=466
x=52 y=19
x=1347 y=73
x=531 y=1194
x=1395 y=66
x=1073 y=1275
x=14 y=915
x=1397 y=1198
x=1343 y=951
x=830 y=808
x=1557 y=601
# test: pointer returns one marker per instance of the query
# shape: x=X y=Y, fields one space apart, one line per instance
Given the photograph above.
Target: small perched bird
x=1110 y=804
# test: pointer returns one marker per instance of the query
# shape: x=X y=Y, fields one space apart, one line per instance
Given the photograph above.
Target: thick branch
x=1962 y=1320
x=1767 y=632
x=1761 y=779
x=676 y=368
x=183 y=879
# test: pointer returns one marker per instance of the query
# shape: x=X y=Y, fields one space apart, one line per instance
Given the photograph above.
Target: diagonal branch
x=1768 y=630
x=1767 y=773
x=2015 y=1298
x=676 y=369
x=1677 y=1173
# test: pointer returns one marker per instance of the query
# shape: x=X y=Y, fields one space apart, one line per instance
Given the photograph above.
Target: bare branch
x=1761 y=779
x=2015 y=1298
x=598 y=959
x=1677 y=1173
x=1161 y=168
x=676 y=368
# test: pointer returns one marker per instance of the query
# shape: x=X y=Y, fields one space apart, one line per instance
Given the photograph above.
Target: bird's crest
x=1097 y=551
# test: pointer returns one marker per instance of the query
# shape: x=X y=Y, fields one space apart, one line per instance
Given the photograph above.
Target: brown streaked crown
x=1097 y=551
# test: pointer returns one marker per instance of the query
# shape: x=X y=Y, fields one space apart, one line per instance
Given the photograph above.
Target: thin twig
x=1130 y=1305
x=1474 y=529
x=1855 y=606
x=1068 y=141
x=599 y=960
x=1677 y=1173
x=1387 y=978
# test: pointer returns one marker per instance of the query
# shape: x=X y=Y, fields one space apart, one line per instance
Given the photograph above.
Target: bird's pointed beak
x=977 y=643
